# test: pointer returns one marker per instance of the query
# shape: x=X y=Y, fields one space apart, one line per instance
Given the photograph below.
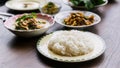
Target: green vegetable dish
x=28 y=21
x=50 y=8
x=89 y=4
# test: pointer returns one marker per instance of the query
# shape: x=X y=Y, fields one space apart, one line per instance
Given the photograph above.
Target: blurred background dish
x=50 y=7
x=22 y=5
x=85 y=4
x=31 y=0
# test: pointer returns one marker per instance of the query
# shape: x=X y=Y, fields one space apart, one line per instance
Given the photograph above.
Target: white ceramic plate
x=22 y=5
x=70 y=4
x=99 y=48
x=59 y=18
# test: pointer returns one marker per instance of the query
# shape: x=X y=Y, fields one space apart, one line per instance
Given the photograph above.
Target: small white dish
x=22 y=5
x=58 y=5
x=99 y=48
x=59 y=18
x=83 y=7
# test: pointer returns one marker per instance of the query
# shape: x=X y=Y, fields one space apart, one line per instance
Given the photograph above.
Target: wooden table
x=17 y=52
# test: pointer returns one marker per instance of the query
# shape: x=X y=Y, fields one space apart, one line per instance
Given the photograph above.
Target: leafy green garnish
x=50 y=4
x=97 y=2
x=34 y=14
x=75 y=2
x=26 y=16
x=89 y=4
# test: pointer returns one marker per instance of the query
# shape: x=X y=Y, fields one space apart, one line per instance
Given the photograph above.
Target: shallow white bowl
x=10 y=25
x=59 y=18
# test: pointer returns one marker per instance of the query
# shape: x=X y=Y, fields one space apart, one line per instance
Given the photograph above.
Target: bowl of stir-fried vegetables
x=77 y=19
x=29 y=25
x=85 y=4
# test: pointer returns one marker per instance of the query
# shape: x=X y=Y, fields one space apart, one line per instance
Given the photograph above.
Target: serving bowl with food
x=29 y=25
x=77 y=19
x=71 y=46
x=50 y=8
x=85 y=4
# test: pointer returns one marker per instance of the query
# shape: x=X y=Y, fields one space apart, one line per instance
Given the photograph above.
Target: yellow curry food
x=50 y=8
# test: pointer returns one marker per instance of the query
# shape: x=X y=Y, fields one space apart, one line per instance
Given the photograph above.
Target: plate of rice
x=71 y=46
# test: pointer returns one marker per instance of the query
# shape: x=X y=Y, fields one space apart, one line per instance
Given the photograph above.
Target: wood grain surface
x=16 y=52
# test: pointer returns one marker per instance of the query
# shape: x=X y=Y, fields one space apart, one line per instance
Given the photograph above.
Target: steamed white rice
x=70 y=43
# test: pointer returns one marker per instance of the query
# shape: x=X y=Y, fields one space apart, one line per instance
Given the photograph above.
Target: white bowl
x=59 y=18
x=45 y=3
x=10 y=25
